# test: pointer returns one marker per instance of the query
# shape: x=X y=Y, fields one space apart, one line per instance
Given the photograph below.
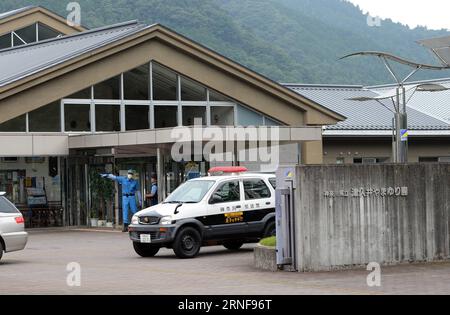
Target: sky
x=434 y=14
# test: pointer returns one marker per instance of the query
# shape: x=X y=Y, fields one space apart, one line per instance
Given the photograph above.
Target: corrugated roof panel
x=368 y=115
x=25 y=60
x=17 y=11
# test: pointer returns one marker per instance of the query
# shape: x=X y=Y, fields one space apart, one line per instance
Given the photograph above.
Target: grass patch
x=270 y=241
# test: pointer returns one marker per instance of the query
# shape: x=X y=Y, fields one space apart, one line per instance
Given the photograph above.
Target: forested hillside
x=286 y=40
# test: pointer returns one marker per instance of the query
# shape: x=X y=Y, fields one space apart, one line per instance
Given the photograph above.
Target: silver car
x=12 y=227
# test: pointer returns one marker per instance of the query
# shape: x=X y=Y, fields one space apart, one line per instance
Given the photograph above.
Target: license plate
x=146 y=238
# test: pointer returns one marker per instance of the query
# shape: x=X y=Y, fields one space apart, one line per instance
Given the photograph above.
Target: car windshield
x=190 y=192
x=6 y=206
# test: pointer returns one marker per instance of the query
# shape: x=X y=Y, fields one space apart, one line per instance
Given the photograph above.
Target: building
x=76 y=102
x=366 y=135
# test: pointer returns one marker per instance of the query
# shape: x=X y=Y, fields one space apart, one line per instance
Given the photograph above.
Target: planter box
x=101 y=223
x=94 y=222
x=265 y=258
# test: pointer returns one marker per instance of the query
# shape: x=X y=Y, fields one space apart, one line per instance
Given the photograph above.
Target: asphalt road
x=110 y=266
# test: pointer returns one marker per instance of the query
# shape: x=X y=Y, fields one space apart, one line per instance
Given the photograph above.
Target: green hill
x=286 y=40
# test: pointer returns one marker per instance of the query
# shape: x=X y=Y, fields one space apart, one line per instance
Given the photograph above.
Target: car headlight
x=165 y=220
x=135 y=219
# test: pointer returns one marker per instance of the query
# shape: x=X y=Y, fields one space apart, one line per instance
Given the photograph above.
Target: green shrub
x=270 y=241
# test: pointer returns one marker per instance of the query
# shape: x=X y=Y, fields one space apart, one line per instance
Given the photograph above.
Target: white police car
x=229 y=210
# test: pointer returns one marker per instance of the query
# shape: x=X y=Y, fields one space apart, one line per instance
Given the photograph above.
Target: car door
x=225 y=216
x=258 y=203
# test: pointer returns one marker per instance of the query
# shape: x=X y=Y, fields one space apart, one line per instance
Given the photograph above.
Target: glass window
x=46 y=32
x=191 y=191
x=190 y=113
x=166 y=116
x=136 y=83
x=6 y=206
x=228 y=192
x=164 y=84
x=5 y=41
x=17 y=41
x=217 y=97
x=28 y=34
x=77 y=117
x=270 y=122
x=17 y=124
x=222 y=116
x=136 y=117
x=248 y=117
x=46 y=118
x=109 y=89
x=256 y=189
x=192 y=91
x=273 y=182
x=107 y=117
x=83 y=94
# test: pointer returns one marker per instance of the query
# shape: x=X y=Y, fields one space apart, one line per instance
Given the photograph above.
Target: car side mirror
x=215 y=199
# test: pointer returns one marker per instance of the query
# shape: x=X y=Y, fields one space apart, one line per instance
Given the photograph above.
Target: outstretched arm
x=111 y=177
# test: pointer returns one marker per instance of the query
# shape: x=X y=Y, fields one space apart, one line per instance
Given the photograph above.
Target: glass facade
x=174 y=100
x=18 y=124
x=46 y=119
x=108 y=89
x=27 y=35
x=34 y=185
x=137 y=117
x=165 y=83
x=136 y=83
x=107 y=117
x=166 y=116
x=77 y=117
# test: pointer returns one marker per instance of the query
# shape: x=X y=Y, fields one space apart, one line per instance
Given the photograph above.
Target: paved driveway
x=110 y=266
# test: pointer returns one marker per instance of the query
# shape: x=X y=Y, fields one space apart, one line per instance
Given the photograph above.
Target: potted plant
x=94 y=219
x=102 y=192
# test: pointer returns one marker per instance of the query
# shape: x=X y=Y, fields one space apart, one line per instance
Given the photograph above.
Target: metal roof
x=371 y=115
x=22 y=61
x=17 y=11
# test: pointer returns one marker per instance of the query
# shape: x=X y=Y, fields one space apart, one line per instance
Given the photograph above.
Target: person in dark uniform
x=152 y=197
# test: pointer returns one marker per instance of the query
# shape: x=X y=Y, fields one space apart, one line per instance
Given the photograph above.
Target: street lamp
x=400 y=115
x=400 y=120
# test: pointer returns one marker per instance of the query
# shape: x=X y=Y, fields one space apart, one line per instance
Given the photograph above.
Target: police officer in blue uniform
x=130 y=188
x=152 y=197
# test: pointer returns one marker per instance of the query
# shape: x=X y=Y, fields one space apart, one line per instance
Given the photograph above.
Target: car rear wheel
x=270 y=230
x=145 y=250
x=187 y=243
x=233 y=245
x=1 y=250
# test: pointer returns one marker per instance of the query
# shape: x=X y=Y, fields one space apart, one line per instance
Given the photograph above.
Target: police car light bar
x=228 y=169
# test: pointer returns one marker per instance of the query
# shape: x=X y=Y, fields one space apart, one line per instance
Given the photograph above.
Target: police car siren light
x=227 y=169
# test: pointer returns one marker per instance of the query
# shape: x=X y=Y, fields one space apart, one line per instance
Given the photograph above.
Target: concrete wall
x=408 y=224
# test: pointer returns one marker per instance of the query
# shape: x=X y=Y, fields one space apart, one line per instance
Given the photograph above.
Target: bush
x=269 y=242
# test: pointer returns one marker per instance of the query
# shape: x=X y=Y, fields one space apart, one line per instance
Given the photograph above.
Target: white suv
x=229 y=210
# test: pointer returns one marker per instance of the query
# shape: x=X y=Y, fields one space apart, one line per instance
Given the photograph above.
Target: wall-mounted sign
x=404 y=135
x=368 y=192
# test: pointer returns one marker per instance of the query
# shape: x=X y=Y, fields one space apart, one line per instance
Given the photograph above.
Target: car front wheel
x=187 y=243
x=145 y=250
x=1 y=250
